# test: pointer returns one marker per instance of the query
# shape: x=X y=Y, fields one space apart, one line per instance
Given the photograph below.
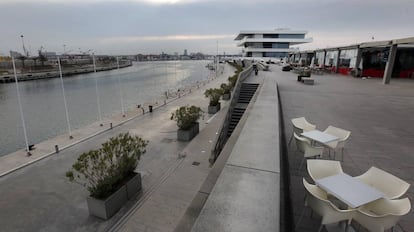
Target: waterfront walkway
x=40 y=198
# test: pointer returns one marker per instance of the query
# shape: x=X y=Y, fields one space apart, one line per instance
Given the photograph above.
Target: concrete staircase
x=247 y=91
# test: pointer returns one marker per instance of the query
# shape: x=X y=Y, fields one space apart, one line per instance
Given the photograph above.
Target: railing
x=221 y=139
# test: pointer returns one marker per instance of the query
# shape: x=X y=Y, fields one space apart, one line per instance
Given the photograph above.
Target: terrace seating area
x=373 y=201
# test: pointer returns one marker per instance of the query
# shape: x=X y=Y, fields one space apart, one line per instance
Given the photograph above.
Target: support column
x=390 y=64
x=358 y=58
x=337 y=61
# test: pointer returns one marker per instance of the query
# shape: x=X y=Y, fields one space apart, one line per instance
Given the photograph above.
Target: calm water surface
x=43 y=104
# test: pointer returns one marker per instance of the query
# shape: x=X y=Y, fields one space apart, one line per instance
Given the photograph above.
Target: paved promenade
x=380 y=118
x=40 y=198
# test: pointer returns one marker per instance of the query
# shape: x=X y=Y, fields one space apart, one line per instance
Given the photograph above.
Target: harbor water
x=43 y=104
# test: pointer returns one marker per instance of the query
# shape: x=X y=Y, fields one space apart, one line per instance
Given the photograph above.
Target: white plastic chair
x=300 y=125
x=343 y=136
x=317 y=200
x=382 y=214
x=392 y=186
x=319 y=169
x=304 y=146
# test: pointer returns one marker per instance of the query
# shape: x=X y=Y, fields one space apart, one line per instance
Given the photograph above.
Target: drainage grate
x=196 y=163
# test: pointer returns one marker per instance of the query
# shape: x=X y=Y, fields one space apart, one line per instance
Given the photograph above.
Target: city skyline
x=142 y=26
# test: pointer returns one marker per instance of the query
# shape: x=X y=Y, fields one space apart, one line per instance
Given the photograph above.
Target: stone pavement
x=246 y=194
x=380 y=118
x=40 y=198
x=19 y=159
x=162 y=209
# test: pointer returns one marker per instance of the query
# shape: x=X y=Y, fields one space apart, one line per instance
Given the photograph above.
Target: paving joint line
x=256 y=169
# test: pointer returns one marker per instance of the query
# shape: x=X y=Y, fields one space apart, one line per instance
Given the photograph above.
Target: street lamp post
x=120 y=89
x=20 y=107
x=97 y=91
x=64 y=99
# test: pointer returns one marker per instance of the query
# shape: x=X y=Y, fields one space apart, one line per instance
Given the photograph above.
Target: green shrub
x=214 y=96
x=233 y=80
x=186 y=116
x=104 y=170
x=226 y=88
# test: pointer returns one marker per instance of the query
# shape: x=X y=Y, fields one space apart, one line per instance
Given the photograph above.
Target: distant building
x=273 y=43
x=185 y=52
x=50 y=55
x=15 y=54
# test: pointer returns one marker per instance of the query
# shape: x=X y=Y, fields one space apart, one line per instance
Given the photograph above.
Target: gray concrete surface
x=40 y=198
x=246 y=195
x=380 y=118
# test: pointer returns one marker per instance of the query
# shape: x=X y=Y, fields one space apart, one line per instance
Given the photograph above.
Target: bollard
x=150 y=108
x=57 y=148
x=110 y=125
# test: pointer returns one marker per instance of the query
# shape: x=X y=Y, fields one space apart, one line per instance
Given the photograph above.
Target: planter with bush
x=186 y=118
x=214 y=96
x=109 y=174
x=226 y=91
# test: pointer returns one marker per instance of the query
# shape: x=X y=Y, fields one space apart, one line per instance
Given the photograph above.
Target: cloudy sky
x=155 y=26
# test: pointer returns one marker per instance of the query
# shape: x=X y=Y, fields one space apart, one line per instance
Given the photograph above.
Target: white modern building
x=273 y=43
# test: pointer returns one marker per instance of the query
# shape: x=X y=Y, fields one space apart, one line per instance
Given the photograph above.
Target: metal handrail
x=221 y=139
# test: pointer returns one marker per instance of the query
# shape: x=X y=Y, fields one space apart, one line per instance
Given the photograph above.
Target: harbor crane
x=25 y=51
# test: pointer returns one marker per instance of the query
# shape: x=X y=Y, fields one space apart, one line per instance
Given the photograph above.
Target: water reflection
x=43 y=106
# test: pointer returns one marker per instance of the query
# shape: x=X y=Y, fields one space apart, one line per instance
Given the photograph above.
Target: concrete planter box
x=187 y=135
x=226 y=96
x=133 y=186
x=213 y=109
x=106 y=208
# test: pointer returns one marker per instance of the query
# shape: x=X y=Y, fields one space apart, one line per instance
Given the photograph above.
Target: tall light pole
x=25 y=52
x=20 y=107
x=217 y=61
x=97 y=91
x=120 y=89
x=64 y=100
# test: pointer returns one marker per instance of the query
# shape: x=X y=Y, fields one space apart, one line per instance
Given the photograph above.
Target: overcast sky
x=155 y=26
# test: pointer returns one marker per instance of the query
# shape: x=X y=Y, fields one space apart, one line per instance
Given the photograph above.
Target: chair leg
x=320 y=228
x=300 y=218
x=290 y=140
x=301 y=163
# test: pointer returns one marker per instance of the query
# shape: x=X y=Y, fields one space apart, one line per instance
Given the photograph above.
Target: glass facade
x=347 y=58
x=284 y=36
x=271 y=36
x=319 y=59
x=275 y=45
x=331 y=58
x=291 y=36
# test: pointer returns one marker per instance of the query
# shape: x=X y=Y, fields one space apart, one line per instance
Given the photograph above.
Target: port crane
x=25 y=51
